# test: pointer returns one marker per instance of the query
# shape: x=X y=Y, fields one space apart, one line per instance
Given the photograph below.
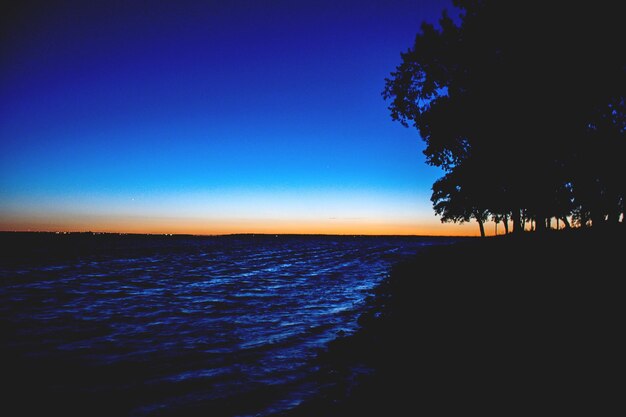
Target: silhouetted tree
x=599 y=185
x=455 y=202
x=514 y=76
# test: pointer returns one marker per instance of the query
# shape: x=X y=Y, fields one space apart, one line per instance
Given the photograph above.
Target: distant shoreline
x=96 y=233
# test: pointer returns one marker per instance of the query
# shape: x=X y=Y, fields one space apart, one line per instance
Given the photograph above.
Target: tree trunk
x=566 y=222
x=540 y=223
x=584 y=218
x=506 y=224
x=481 y=226
x=597 y=219
x=517 y=222
x=557 y=223
x=614 y=213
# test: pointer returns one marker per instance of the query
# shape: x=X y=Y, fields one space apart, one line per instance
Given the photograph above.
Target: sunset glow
x=204 y=216
x=219 y=119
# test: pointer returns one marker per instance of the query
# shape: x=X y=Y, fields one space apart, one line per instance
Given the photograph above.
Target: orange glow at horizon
x=324 y=211
x=164 y=225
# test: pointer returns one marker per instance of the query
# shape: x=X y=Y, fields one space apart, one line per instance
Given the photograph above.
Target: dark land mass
x=497 y=326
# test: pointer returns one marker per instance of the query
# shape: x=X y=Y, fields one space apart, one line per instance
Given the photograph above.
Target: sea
x=150 y=325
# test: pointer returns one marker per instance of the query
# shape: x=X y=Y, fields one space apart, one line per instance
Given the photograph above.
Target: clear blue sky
x=210 y=117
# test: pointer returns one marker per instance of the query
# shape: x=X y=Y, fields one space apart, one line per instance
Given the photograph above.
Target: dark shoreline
x=509 y=324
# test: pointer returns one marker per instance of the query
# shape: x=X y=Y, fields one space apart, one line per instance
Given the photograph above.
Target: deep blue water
x=152 y=325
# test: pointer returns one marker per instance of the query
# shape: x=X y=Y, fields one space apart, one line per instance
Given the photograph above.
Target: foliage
x=523 y=106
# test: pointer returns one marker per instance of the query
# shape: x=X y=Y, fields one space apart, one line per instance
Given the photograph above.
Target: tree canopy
x=523 y=106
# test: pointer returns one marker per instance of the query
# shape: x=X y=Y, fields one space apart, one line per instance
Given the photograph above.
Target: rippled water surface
x=229 y=325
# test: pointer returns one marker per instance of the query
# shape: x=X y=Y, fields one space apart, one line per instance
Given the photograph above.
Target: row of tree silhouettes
x=522 y=104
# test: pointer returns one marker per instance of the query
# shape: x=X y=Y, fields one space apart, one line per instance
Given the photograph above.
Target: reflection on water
x=154 y=324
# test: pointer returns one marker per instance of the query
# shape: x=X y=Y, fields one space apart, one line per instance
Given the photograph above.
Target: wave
x=153 y=325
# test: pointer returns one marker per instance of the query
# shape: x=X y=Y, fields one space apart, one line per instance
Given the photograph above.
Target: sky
x=211 y=117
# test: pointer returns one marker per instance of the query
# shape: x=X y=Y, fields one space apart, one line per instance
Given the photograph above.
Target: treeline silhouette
x=522 y=104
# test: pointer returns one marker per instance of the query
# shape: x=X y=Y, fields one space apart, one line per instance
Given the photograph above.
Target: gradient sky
x=210 y=117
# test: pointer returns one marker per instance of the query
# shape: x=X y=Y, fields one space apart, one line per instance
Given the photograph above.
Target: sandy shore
x=493 y=326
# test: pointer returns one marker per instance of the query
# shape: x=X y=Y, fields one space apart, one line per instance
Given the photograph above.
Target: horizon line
x=91 y=232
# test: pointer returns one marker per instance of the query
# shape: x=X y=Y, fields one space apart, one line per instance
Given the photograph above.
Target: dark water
x=152 y=325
